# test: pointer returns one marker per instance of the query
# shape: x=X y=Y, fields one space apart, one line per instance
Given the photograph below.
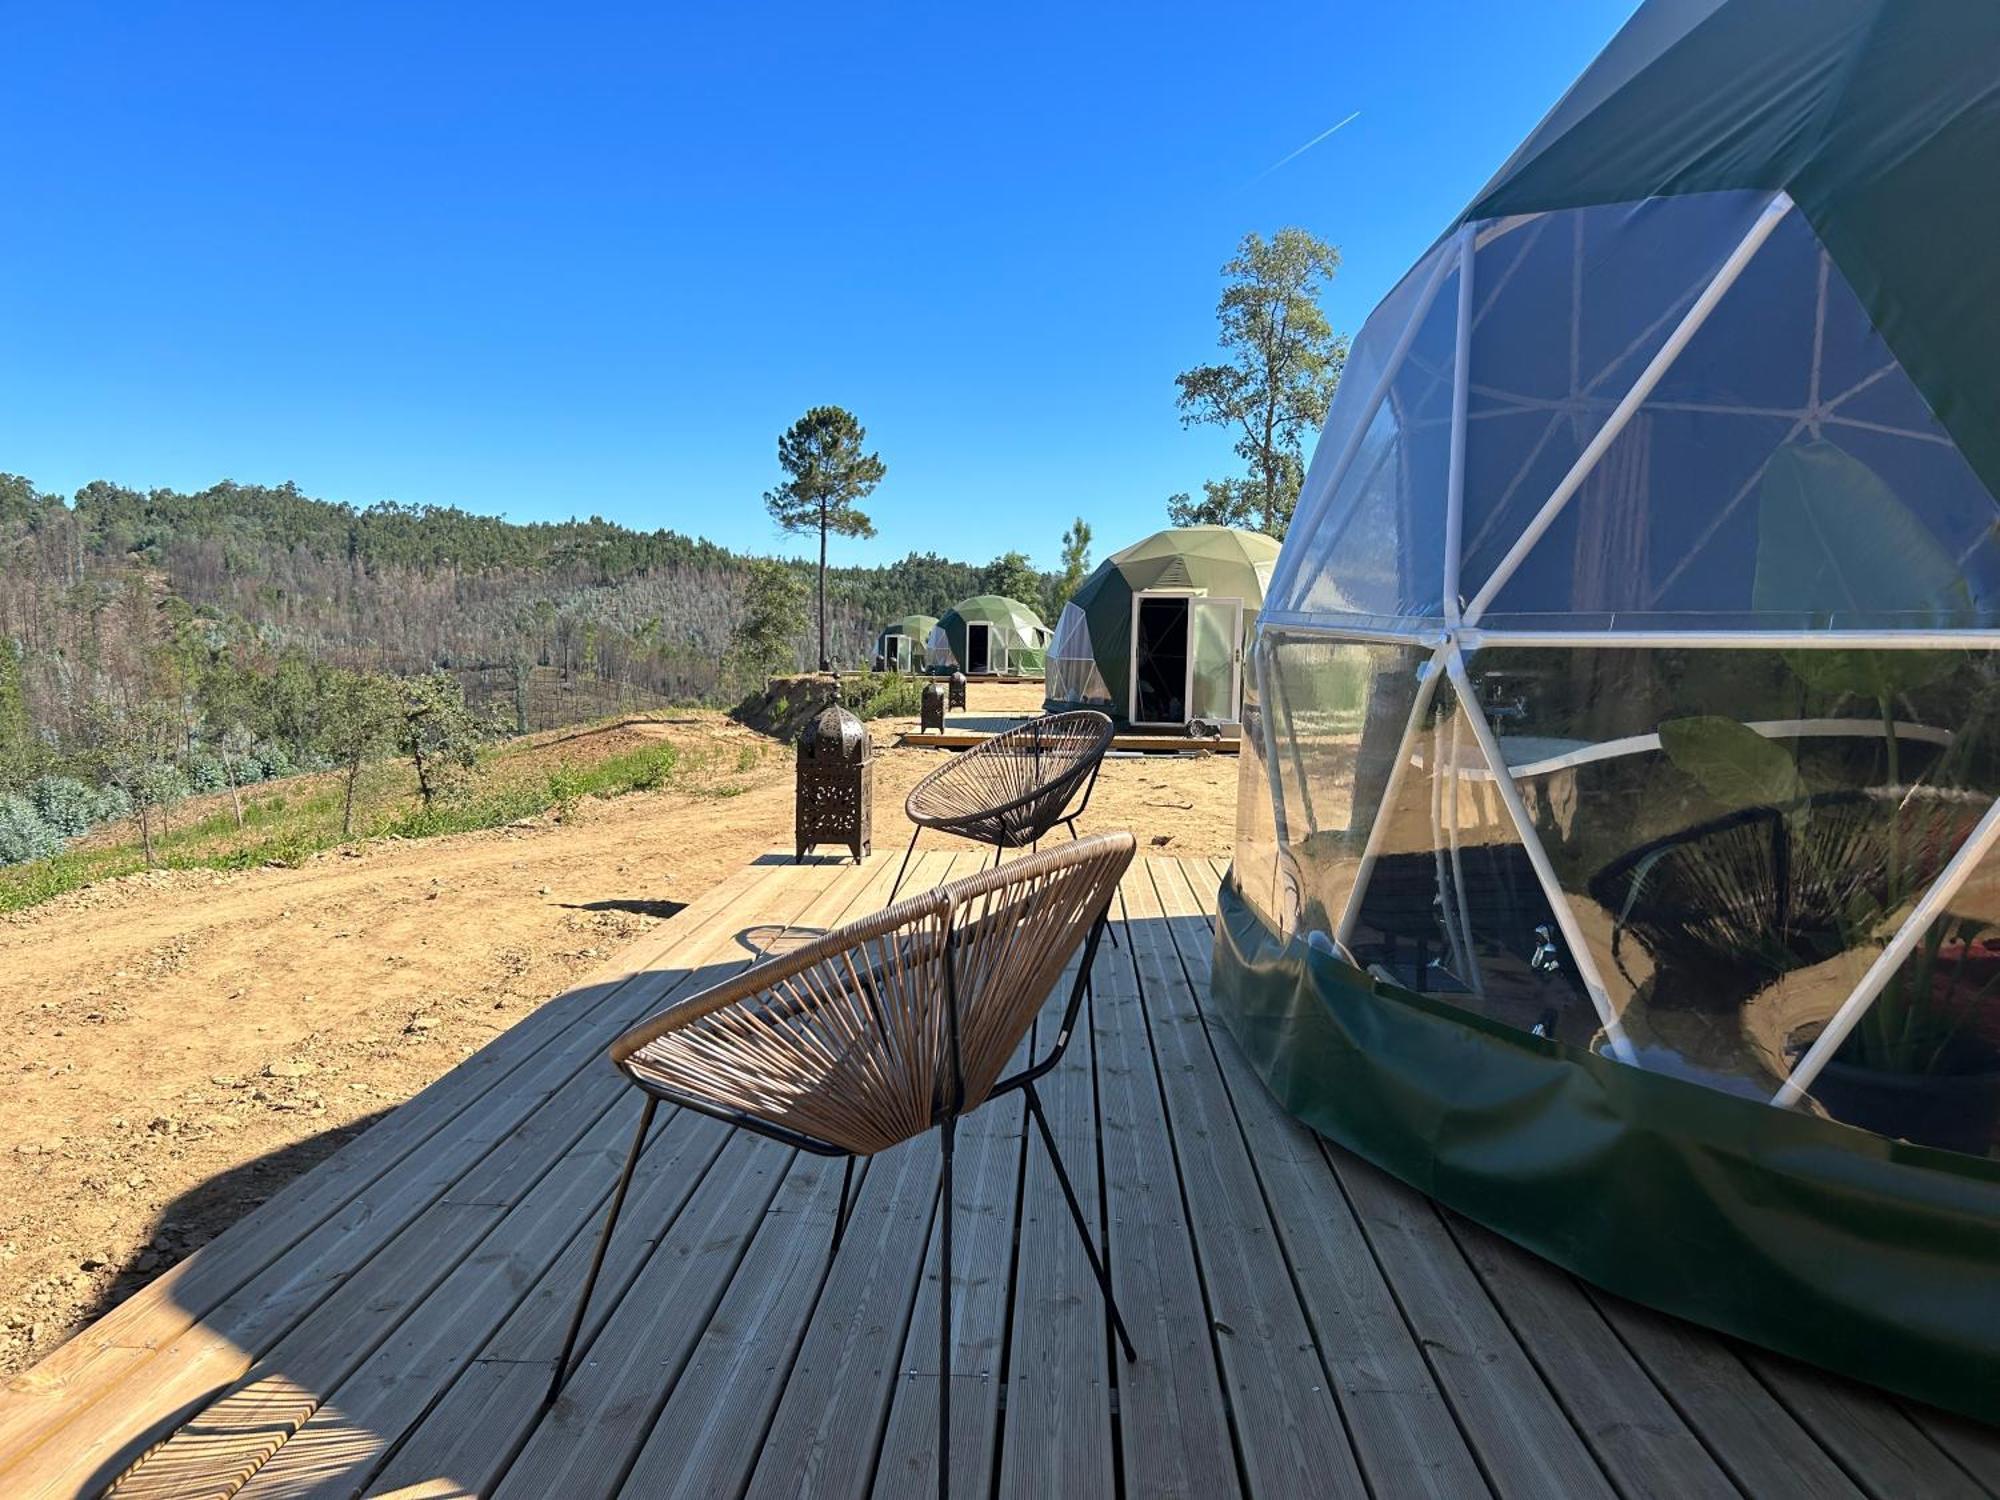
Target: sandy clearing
x=180 y=1044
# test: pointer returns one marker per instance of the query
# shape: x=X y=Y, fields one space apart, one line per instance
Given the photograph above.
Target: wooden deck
x=1305 y=1324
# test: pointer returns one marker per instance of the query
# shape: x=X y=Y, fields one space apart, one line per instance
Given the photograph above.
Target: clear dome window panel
x=1071 y=665
x=1569 y=308
x=1783 y=473
x=1254 y=858
x=1453 y=907
x=1738 y=833
x=1380 y=343
x=1333 y=715
x=1375 y=547
x=1923 y=1060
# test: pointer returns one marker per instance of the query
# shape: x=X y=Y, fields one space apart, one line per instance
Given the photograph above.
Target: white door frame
x=970 y=626
x=893 y=652
x=1139 y=596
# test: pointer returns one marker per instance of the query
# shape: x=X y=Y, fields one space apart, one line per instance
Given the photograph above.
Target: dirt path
x=180 y=1044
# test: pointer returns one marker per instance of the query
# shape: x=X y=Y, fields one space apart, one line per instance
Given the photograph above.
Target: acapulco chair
x=883 y=1029
x=1011 y=790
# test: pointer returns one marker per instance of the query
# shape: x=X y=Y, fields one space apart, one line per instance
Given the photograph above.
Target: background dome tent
x=1617 y=856
x=903 y=643
x=1180 y=602
x=989 y=635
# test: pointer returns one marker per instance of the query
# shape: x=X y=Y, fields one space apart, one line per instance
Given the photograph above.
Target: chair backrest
x=848 y=1039
x=1018 y=780
x=1013 y=929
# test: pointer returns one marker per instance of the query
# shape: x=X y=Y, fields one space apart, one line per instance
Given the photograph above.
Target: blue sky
x=563 y=259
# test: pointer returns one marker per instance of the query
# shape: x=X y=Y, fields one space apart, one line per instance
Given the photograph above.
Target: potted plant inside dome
x=1923 y=1061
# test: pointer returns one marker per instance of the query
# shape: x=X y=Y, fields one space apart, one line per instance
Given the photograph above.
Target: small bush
x=870 y=696
x=566 y=785
x=204 y=771
x=65 y=804
x=23 y=834
x=274 y=760
x=656 y=769
x=112 y=803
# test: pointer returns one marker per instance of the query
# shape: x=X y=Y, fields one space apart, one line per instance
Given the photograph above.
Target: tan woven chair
x=883 y=1029
x=1013 y=789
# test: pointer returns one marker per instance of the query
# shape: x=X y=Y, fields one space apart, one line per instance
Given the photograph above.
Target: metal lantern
x=931 y=710
x=957 y=690
x=835 y=783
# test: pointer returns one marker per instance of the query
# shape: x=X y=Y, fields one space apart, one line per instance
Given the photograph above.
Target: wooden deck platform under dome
x=1306 y=1325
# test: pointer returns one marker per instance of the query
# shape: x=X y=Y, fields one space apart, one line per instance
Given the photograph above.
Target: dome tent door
x=1184 y=657
x=978 y=649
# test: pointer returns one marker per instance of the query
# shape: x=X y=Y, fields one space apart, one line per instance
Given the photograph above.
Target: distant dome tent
x=1154 y=635
x=902 y=644
x=1618 y=853
x=988 y=635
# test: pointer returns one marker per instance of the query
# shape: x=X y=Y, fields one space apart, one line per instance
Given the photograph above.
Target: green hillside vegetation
x=159 y=645
x=288 y=821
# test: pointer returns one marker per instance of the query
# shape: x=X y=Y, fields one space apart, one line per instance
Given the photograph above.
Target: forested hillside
x=232 y=607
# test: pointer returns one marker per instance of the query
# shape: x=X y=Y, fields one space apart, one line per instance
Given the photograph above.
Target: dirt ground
x=181 y=1044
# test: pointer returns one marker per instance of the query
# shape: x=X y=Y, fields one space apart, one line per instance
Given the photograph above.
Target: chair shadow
x=637 y=906
x=769 y=939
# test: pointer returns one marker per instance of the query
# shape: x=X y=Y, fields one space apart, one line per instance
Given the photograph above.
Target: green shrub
x=204 y=771
x=655 y=769
x=65 y=804
x=23 y=834
x=273 y=759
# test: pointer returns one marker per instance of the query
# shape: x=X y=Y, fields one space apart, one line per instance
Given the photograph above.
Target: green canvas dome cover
x=1618 y=854
x=1090 y=658
x=907 y=654
x=1016 y=637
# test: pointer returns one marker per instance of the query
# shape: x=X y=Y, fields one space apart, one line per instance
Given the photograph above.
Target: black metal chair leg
x=904 y=866
x=1097 y=1266
x=603 y=1244
x=948 y=1130
x=840 y=1218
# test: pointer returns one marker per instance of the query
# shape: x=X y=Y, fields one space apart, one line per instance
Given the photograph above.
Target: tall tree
x=363 y=713
x=827 y=476
x=1075 y=565
x=1283 y=363
x=767 y=633
x=1012 y=576
x=440 y=734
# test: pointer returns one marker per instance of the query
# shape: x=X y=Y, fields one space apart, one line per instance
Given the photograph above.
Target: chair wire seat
x=887 y=1027
x=843 y=1042
x=1012 y=790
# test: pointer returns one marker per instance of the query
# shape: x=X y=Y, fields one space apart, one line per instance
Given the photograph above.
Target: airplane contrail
x=1339 y=125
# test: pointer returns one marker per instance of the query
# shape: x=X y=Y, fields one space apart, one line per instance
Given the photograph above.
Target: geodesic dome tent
x=902 y=645
x=1154 y=635
x=1616 y=851
x=988 y=635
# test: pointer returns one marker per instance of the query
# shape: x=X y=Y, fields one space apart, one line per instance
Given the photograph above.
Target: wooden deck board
x=1403 y=1431
x=1290 y=1433
x=387 y=1324
x=1059 y=1434
x=1174 y=1432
